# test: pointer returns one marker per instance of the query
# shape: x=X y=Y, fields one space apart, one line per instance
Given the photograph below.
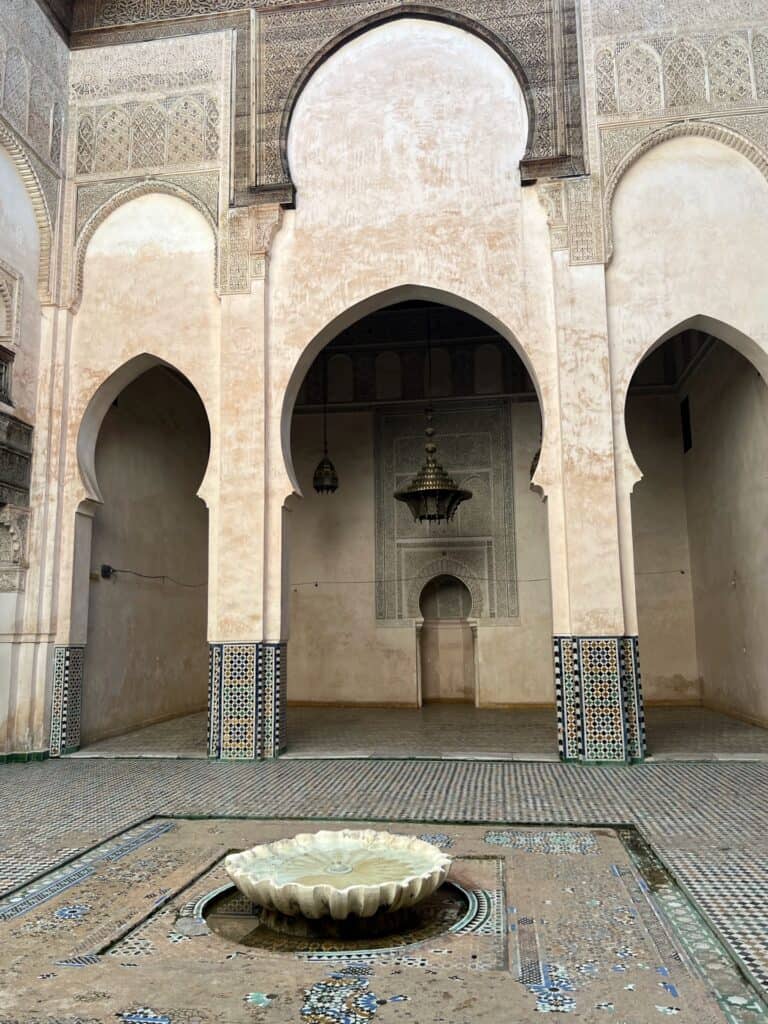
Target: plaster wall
x=662 y=562
x=19 y=249
x=149 y=289
x=726 y=476
x=690 y=220
x=147 y=652
x=338 y=653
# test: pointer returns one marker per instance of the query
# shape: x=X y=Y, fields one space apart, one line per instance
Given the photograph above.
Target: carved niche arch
x=97 y=218
x=444 y=567
x=681 y=129
x=549 y=84
x=26 y=172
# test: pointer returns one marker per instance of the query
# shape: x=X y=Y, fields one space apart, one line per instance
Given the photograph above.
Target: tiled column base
x=68 y=663
x=246 y=700
x=600 y=713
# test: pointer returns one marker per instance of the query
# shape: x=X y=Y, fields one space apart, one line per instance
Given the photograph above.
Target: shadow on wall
x=146 y=656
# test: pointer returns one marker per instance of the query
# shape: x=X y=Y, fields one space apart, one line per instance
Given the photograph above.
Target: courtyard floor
x=448 y=730
x=105 y=865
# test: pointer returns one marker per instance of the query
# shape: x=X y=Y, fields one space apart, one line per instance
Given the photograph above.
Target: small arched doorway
x=447 y=647
x=146 y=656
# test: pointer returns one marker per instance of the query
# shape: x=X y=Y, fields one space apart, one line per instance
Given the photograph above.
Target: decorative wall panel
x=478 y=546
x=537 y=37
x=600 y=714
x=15 y=461
x=68 y=663
x=246 y=700
x=14 y=531
x=10 y=304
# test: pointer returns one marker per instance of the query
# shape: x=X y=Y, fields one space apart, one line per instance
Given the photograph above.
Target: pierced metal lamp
x=432 y=496
x=325 y=479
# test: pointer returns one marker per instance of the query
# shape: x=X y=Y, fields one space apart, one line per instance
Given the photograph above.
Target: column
x=246 y=668
x=596 y=659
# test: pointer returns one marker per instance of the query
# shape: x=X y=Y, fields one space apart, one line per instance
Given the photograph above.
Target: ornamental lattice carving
x=148 y=131
x=729 y=77
x=86 y=137
x=639 y=77
x=760 y=63
x=10 y=304
x=112 y=140
x=605 y=83
x=57 y=133
x=685 y=79
x=16 y=90
x=185 y=132
x=33 y=73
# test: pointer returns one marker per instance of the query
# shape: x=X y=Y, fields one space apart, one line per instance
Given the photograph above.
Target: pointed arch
x=685 y=77
x=390 y=296
x=96 y=409
x=99 y=215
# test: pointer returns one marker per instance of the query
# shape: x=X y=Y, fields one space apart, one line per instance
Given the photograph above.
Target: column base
x=68 y=665
x=247 y=701
x=600 y=715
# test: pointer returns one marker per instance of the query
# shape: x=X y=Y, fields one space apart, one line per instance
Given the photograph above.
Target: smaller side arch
x=26 y=172
x=96 y=409
x=680 y=129
x=125 y=195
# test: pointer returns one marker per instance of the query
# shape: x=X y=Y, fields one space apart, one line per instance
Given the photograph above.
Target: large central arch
x=391 y=296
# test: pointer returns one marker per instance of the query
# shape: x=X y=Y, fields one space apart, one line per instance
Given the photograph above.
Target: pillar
x=595 y=647
x=247 y=667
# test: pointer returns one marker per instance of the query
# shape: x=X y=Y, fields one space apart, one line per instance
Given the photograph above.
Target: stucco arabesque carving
x=11 y=286
x=149 y=117
x=574 y=216
x=250 y=231
x=445 y=566
x=14 y=530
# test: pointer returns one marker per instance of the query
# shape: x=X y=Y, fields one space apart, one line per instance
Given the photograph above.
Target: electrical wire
x=171 y=579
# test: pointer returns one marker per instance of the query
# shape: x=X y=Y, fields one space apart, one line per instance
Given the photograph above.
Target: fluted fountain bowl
x=337 y=874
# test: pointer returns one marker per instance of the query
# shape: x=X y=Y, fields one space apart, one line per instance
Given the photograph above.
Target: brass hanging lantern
x=325 y=479
x=432 y=496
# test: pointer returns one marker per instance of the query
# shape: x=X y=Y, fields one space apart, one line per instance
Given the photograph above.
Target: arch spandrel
x=550 y=84
x=152 y=186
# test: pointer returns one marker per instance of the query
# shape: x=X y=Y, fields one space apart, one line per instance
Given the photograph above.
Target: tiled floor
x=448 y=730
x=706 y=820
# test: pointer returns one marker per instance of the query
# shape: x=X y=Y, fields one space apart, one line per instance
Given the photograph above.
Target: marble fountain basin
x=339 y=874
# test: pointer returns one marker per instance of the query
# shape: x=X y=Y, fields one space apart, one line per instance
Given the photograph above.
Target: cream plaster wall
x=19 y=248
x=690 y=220
x=338 y=653
x=147 y=652
x=726 y=475
x=149 y=288
x=662 y=562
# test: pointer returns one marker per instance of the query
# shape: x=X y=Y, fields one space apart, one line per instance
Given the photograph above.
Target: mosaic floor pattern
x=448 y=731
x=706 y=820
x=581 y=921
